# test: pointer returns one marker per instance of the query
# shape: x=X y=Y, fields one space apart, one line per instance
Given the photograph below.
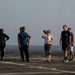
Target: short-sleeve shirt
x=23 y=38
x=65 y=37
x=48 y=38
x=71 y=34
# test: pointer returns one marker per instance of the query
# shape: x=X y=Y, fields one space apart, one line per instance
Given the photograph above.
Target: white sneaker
x=49 y=61
x=66 y=61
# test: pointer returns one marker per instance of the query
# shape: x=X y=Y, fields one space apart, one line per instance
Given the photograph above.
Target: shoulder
x=62 y=32
x=4 y=34
x=25 y=33
x=51 y=36
x=72 y=33
x=19 y=33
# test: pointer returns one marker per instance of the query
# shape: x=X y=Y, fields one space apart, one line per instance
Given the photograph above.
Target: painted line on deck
x=33 y=73
x=38 y=67
x=39 y=58
x=29 y=66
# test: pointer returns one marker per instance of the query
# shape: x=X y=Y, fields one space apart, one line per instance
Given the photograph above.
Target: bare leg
x=65 y=54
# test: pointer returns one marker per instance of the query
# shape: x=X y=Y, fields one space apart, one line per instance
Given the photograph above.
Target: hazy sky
x=36 y=15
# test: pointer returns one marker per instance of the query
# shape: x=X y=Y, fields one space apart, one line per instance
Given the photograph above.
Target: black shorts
x=47 y=48
x=2 y=47
x=65 y=46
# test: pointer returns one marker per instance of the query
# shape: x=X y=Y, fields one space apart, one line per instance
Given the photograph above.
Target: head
x=20 y=29
x=1 y=31
x=65 y=27
x=48 y=32
x=23 y=29
x=69 y=29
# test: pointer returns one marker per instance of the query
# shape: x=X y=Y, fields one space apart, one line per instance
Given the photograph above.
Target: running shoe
x=49 y=61
x=66 y=61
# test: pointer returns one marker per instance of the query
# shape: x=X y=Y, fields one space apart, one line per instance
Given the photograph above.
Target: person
x=24 y=42
x=65 y=42
x=71 y=44
x=3 y=38
x=47 y=46
x=19 y=42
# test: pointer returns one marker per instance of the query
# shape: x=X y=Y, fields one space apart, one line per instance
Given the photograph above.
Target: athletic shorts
x=2 y=47
x=47 y=48
x=71 y=48
x=65 y=46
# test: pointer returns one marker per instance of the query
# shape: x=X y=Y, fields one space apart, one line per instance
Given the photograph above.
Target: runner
x=65 y=41
x=24 y=42
x=48 y=40
x=71 y=44
x=3 y=39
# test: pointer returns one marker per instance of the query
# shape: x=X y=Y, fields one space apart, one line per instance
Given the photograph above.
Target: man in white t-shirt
x=48 y=40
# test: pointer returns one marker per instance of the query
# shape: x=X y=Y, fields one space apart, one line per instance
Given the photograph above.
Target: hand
x=20 y=46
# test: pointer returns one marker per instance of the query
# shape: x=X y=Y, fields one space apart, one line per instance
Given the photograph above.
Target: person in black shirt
x=3 y=39
x=65 y=42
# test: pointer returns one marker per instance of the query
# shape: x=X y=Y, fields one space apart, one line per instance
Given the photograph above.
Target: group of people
x=66 y=41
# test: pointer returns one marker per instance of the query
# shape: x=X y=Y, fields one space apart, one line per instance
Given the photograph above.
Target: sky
x=36 y=15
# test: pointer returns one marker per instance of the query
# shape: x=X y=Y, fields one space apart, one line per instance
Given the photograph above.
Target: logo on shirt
x=66 y=34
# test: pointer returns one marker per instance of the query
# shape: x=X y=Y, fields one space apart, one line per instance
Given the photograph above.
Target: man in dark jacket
x=3 y=39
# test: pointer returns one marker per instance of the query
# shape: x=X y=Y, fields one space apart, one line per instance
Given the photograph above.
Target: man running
x=65 y=42
x=48 y=40
x=24 y=42
x=71 y=44
x=3 y=39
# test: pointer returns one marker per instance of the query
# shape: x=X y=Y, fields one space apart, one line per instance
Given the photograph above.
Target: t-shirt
x=48 y=39
x=65 y=37
x=23 y=38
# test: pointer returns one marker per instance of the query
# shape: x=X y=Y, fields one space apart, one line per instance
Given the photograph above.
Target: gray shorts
x=47 y=48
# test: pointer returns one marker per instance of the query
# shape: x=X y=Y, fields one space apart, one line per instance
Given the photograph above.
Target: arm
x=19 y=41
x=43 y=36
x=73 y=40
x=60 y=41
x=6 y=37
x=45 y=32
x=69 y=40
x=52 y=39
x=28 y=39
